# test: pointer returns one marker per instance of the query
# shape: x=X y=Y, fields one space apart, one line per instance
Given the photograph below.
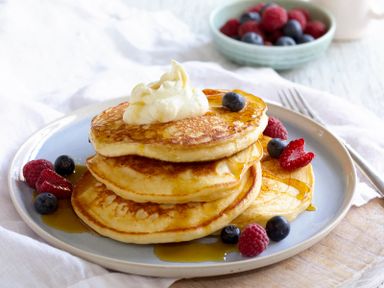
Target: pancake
x=217 y=134
x=142 y=179
x=284 y=193
x=142 y=223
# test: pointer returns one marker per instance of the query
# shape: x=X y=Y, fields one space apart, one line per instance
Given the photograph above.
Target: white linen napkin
x=57 y=56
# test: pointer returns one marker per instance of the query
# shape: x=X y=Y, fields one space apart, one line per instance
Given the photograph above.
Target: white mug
x=352 y=16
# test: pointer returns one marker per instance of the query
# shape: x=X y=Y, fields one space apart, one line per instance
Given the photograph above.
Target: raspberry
x=51 y=182
x=298 y=15
x=265 y=7
x=256 y=8
x=274 y=17
x=250 y=26
x=253 y=240
x=315 y=29
x=231 y=27
x=32 y=170
x=276 y=129
x=305 y=12
x=294 y=156
x=273 y=36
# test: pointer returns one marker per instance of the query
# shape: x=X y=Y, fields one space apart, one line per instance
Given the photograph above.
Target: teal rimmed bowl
x=277 y=57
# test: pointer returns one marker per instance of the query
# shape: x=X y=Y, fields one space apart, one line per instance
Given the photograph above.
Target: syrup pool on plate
x=202 y=250
x=210 y=248
x=64 y=218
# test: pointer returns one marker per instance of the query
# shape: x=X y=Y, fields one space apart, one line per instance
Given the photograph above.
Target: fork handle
x=367 y=170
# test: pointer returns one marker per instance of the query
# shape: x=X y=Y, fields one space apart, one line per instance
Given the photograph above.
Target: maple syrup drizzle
x=311 y=207
x=297 y=184
x=64 y=218
x=201 y=250
x=212 y=249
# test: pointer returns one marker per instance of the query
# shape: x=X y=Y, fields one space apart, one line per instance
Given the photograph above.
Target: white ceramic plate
x=334 y=188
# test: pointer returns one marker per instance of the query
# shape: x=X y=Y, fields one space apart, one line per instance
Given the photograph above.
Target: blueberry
x=305 y=38
x=233 y=101
x=265 y=7
x=277 y=228
x=248 y=16
x=252 y=38
x=230 y=234
x=293 y=29
x=45 y=203
x=285 y=41
x=275 y=147
x=64 y=165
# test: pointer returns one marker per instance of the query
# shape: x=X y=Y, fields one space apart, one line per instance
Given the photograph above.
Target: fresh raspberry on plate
x=256 y=8
x=231 y=27
x=294 y=156
x=32 y=170
x=51 y=182
x=273 y=18
x=298 y=15
x=253 y=240
x=315 y=29
x=275 y=129
x=250 y=26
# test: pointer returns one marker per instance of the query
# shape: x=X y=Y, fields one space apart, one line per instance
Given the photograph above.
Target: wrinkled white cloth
x=57 y=56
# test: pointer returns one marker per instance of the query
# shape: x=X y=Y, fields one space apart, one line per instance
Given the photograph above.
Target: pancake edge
x=183 y=153
x=289 y=215
x=181 y=235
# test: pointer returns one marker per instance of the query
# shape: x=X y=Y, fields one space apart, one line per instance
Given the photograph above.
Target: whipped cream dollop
x=169 y=99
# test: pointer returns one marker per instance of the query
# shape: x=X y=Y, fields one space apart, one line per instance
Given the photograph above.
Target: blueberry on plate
x=275 y=147
x=233 y=101
x=293 y=29
x=252 y=38
x=305 y=38
x=285 y=41
x=230 y=234
x=277 y=228
x=64 y=165
x=45 y=203
x=250 y=16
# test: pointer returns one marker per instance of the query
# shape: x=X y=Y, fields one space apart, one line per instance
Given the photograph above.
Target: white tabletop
x=353 y=70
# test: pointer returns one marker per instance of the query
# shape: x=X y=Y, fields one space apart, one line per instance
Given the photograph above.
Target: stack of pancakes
x=182 y=180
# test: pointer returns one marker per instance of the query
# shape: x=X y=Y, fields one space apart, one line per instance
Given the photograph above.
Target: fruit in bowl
x=272 y=24
x=277 y=32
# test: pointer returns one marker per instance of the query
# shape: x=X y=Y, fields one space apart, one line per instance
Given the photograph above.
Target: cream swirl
x=169 y=99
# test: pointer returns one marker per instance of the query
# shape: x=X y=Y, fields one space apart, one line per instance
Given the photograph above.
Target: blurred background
x=38 y=36
x=341 y=71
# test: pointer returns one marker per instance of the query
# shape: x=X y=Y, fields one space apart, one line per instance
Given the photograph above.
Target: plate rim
x=164 y=269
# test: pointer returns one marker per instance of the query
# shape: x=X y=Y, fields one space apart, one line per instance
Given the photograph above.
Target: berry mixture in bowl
x=271 y=24
x=281 y=35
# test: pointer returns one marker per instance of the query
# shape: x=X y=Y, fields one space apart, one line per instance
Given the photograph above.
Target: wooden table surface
x=355 y=71
x=341 y=259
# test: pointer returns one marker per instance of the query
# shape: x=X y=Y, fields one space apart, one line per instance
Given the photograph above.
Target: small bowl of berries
x=282 y=34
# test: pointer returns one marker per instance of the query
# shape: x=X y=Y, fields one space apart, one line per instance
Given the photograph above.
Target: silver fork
x=292 y=98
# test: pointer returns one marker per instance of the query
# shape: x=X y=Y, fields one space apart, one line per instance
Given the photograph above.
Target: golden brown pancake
x=132 y=222
x=218 y=133
x=284 y=193
x=142 y=179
